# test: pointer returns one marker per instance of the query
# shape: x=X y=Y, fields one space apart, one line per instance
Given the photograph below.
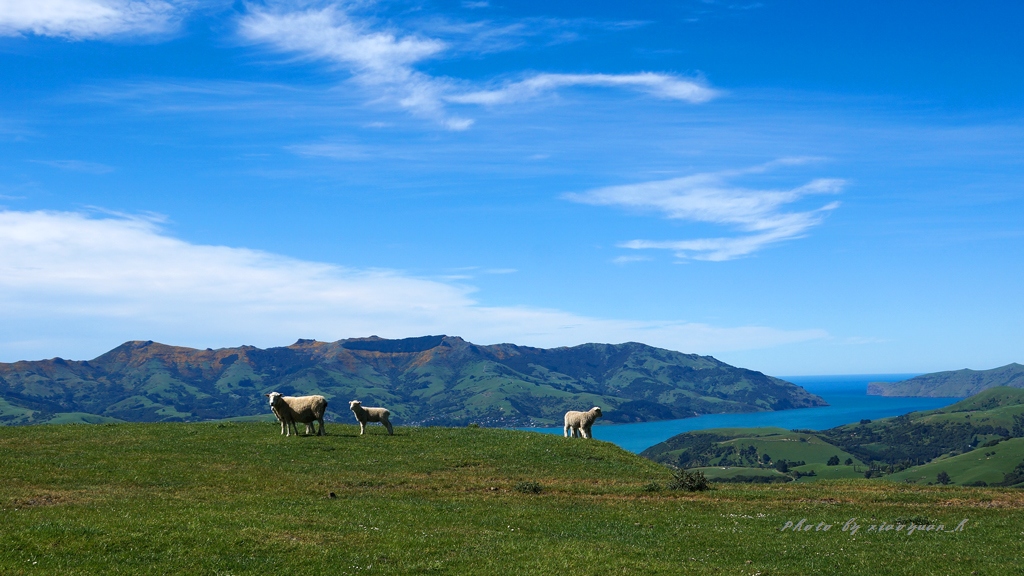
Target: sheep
x=364 y=415
x=285 y=421
x=292 y=409
x=579 y=423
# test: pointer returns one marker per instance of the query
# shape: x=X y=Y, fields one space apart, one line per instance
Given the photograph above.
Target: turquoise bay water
x=846 y=395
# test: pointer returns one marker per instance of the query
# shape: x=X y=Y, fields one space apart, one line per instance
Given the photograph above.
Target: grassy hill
x=432 y=380
x=756 y=455
x=237 y=498
x=988 y=465
x=919 y=437
x=978 y=439
x=954 y=383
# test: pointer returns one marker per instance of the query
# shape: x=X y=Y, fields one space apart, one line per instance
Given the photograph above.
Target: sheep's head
x=596 y=411
x=355 y=404
x=275 y=398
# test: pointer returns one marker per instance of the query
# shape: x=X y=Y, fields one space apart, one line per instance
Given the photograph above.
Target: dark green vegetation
x=237 y=498
x=977 y=440
x=437 y=380
x=952 y=384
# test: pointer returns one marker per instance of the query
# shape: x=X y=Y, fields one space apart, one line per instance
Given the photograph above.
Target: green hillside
x=1000 y=397
x=984 y=466
x=756 y=455
x=229 y=498
x=432 y=380
x=978 y=439
x=954 y=383
x=919 y=437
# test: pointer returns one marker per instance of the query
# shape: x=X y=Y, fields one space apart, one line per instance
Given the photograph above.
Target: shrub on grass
x=527 y=487
x=943 y=478
x=1014 y=477
x=651 y=487
x=833 y=461
x=690 y=481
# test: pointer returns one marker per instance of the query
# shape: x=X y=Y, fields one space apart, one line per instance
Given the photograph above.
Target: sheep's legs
x=391 y=431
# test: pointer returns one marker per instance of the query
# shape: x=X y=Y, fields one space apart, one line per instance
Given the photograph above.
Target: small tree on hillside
x=943 y=478
x=833 y=461
x=691 y=481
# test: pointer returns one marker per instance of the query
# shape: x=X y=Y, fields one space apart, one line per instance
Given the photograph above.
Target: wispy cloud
x=660 y=85
x=486 y=36
x=711 y=198
x=77 y=166
x=331 y=150
x=383 y=61
x=117 y=278
x=630 y=259
x=89 y=19
x=378 y=59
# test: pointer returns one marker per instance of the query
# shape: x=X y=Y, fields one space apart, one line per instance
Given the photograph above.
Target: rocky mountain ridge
x=440 y=380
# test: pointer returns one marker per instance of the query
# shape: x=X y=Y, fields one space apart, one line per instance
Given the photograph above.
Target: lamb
x=292 y=409
x=579 y=423
x=364 y=415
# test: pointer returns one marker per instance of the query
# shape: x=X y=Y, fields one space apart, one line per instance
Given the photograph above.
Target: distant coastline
x=952 y=383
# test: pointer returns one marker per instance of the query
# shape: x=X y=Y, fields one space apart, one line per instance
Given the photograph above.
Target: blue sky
x=793 y=187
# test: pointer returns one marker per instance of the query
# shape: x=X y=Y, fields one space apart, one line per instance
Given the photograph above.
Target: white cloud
x=77 y=166
x=710 y=198
x=383 y=62
x=72 y=284
x=330 y=33
x=660 y=85
x=332 y=151
x=86 y=19
x=380 y=60
x=630 y=259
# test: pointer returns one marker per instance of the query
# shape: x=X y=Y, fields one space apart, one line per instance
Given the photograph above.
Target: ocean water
x=846 y=395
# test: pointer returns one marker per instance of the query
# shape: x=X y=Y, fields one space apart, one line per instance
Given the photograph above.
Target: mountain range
x=954 y=383
x=430 y=380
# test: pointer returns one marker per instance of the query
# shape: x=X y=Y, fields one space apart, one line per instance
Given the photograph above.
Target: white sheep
x=577 y=424
x=292 y=409
x=364 y=415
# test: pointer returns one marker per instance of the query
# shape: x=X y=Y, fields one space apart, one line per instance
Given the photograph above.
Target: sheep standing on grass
x=364 y=415
x=292 y=409
x=577 y=424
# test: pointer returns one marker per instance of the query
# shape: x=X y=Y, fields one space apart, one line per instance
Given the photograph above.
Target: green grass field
x=237 y=498
x=984 y=464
